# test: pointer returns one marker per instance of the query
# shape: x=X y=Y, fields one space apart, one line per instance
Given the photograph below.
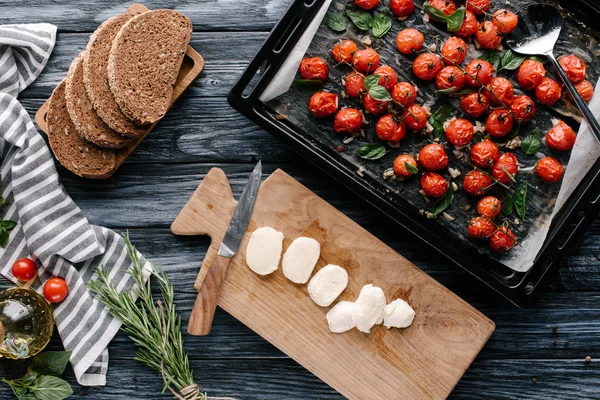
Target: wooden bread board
x=191 y=67
x=424 y=361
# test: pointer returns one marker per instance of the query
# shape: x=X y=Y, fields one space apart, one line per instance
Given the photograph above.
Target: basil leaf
x=436 y=12
x=478 y=137
x=531 y=144
x=455 y=20
x=438 y=128
x=380 y=93
x=50 y=363
x=362 y=19
x=492 y=57
x=51 y=388
x=309 y=85
x=507 y=205
x=336 y=22
x=519 y=200
x=446 y=91
x=8 y=225
x=511 y=60
x=3 y=238
x=442 y=113
x=371 y=81
x=445 y=202
x=381 y=25
x=541 y=59
x=373 y=151
x=411 y=168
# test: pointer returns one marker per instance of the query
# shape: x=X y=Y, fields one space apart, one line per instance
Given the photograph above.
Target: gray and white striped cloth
x=50 y=227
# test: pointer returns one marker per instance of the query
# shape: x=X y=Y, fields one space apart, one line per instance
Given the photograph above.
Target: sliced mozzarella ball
x=398 y=314
x=368 y=308
x=327 y=284
x=300 y=259
x=264 y=250
x=339 y=317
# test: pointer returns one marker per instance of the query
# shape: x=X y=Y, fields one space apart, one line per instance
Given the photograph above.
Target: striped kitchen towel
x=50 y=227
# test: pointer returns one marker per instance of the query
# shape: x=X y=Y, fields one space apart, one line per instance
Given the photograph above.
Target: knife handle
x=206 y=302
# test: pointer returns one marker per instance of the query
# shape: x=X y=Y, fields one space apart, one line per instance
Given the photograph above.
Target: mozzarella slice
x=327 y=284
x=398 y=314
x=368 y=308
x=300 y=259
x=339 y=317
x=264 y=250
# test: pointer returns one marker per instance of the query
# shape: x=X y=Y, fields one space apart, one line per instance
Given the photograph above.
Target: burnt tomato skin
x=475 y=104
x=549 y=170
x=400 y=165
x=389 y=129
x=404 y=93
x=459 y=132
x=499 y=123
x=366 y=60
x=454 y=50
x=505 y=20
x=387 y=76
x=323 y=104
x=402 y=8
x=314 y=68
x=502 y=240
x=561 y=137
x=433 y=157
x=481 y=228
x=355 y=84
x=523 y=108
x=450 y=78
x=415 y=117
x=484 y=154
x=477 y=183
x=344 y=51
x=530 y=74
x=490 y=207
x=427 y=65
x=409 y=40
x=434 y=185
x=480 y=69
x=548 y=91
x=506 y=163
x=348 y=121
x=574 y=67
x=488 y=36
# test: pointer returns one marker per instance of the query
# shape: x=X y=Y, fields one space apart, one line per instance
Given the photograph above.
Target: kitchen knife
x=206 y=302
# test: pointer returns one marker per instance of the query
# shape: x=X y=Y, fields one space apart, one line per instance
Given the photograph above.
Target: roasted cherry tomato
x=402 y=8
x=478 y=7
x=409 y=40
x=479 y=72
x=530 y=74
x=415 y=117
x=433 y=157
x=548 y=91
x=484 y=154
x=561 y=137
x=348 y=120
x=506 y=163
x=314 y=68
x=500 y=91
x=549 y=169
x=24 y=269
x=450 y=77
x=367 y=4
x=389 y=129
x=475 y=104
x=523 y=108
x=481 y=228
x=400 y=165
x=344 y=51
x=468 y=27
x=574 y=68
x=404 y=93
x=355 y=84
x=489 y=207
x=499 y=122
x=585 y=90
x=506 y=21
x=459 y=132
x=387 y=76
x=434 y=185
x=454 y=50
x=477 y=183
x=55 y=290
x=427 y=65
x=447 y=7
x=323 y=104
x=366 y=60
x=502 y=240
x=373 y=106
x=487 y=35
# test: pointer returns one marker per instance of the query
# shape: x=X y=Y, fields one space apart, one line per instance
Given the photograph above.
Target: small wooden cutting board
x=424 y=361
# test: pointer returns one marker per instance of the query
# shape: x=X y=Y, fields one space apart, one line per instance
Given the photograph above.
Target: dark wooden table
x=534 y=353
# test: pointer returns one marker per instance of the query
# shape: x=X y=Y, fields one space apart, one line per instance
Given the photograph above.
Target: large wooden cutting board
x=424 y=361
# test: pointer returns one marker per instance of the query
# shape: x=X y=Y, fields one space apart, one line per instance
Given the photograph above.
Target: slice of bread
x=80 y=109
x=144 y=62
x=95 y=77
x=70 y=149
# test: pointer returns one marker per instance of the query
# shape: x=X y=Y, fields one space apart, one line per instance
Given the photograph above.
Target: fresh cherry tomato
x=489 y=207
x=530 y=74
x=55 y=289
x=548 y=91
x=400 y=165
x=415 y=117
x=314 y=68
x=323 y=104
x=506 y=163
x=445 y=6
x=561 y=137
x=387 y=76
x=549 y=169
x=574 y=68
x=24 y=269
x=477 y=183
x=409 y=40
x=433 y=157
x=367 y=4
x=478 y=7
x=348 y=120
x=355 y=84
x=482 y=70
x=454 y=50
x=506 y=21
x=499 y=123
x=427 y=65
x=344 y=51
x=500 y=91
x=487 y=35
x=389 y=129
x=523 y=108
x=468 y=27
x=450 y=77
x=484 y=154
x=404 y=93
x=585 y=90
x=402 y=8
x=373 y=106
x=502 y=240
x=481 y=228
x=475 y=104
x=366 y=60
x=459 y=132
x=434 y=185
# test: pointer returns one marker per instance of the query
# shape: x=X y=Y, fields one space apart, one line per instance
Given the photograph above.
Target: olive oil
x=26 y=323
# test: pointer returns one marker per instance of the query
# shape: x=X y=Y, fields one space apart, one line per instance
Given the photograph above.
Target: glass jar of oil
x=26 y=323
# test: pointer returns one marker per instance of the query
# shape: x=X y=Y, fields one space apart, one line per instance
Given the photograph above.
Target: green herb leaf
x=50 y=363
x=411 y=168
x=48 y=387
x=531 y=144
x=492 y=57
x=438 y=118
x=446 y=91
x=309 y=85
x=511 y=60
x=336 y=22
x=478 y=137
x=371 y=81
x=372 y=151
x=436 y=12
x=445 y=202
x=455 y=20
x=3 y=238
x=381 y=25
x=7 y=224
x=507 y=205
x=519 y=200
x=362 y=19
x=380 y=93
x=541 y=59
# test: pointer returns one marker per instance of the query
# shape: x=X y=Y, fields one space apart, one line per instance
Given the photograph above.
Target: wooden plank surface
x=202 y=131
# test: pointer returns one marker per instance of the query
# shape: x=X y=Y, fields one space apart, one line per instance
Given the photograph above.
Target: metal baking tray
x=521 y=288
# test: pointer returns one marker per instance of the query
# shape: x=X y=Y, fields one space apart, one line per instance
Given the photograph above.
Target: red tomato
x=484 y=154
x=402 y=8
x=387 y=76
x=404 y=93
x=454 y=50
x=373 y=106
x=450 y=77
x=55 y=290
x=549 y=169
x=434 y=185
x=415 y=117
x=481 y=228
x=499 y=123
x=355 y=84
x=489 y=207
x=366 y=60
x=400 y=165
x=344 y=51
x=482 y=70
x=447 y=7
x=500 y=91
x=573 y=67
x=348 y=120
x=367 y=4
x=314 y=68
x=477 y=183
x=409 y=40
x=459 y=132
x=523 y=108
x=506 y=21
x=323 y=104
x=427 y=65
x=478 y=7
x=433 y=157
x=506 y=163
x=487 y=35
x=585 y=90
x=24 y=269
x=475 y=104
x=561 y=137
x=548 y=91
x=502 y=240
x=389 y=129
x=468 y=27
x=530 y=74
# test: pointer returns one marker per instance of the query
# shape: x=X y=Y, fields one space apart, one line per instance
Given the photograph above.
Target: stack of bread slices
x=119 y=86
